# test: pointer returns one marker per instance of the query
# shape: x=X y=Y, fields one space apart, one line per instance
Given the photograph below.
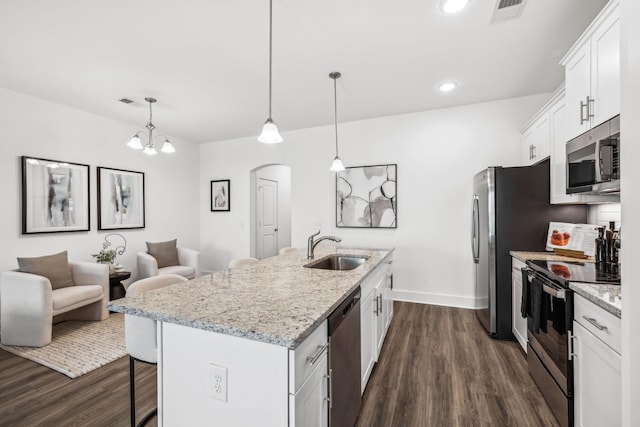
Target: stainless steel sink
x=338 y=262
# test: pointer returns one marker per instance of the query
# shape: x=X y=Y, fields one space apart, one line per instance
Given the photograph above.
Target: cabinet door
x=558 y=167
x=527 y=147
x=605 y=66
x=387 y=301
x=311 y=401
x=578 y=87
x=519 y=323
x=535 y=141
x=367 y=338
x=379 y=310
x=597 y=381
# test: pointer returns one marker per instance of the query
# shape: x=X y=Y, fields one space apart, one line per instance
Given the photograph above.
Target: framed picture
x=221 y=195
x=366 y=197
x=55 y=196
x=120 y=199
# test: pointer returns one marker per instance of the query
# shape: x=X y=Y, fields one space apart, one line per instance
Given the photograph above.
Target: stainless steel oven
x=549 y=326
x=593 y=160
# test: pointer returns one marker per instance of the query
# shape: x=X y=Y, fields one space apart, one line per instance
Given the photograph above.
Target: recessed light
x=448 y=86
x=453 y=6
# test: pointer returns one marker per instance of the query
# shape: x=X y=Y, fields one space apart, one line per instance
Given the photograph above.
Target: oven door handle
x=548 y=289
x=556 y=293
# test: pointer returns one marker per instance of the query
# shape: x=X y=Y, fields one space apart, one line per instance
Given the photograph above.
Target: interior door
x=267 y=217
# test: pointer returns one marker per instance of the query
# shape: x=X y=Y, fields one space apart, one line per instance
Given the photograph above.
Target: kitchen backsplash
x=602 y=214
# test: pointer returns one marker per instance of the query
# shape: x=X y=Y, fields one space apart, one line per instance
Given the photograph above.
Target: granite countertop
x=545 y=256
x=609 y=297
x=276 y=300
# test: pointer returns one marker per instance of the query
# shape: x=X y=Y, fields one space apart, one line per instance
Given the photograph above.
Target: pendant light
x=270 y=134
x=337 y=165
x=150 y=147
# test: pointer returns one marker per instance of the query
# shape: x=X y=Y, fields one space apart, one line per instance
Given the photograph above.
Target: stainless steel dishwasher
x=344 y=362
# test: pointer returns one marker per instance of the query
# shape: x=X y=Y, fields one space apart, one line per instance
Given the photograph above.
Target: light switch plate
x=218 y=382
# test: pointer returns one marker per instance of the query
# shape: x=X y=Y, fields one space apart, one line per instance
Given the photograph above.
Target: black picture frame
x=221 y=195
x=55 y=196
x=366 y=197
x=121 y=199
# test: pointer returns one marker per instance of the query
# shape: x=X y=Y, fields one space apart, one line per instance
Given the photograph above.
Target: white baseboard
x=435 y=299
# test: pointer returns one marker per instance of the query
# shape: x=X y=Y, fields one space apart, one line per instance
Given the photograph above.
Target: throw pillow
x=165 y=253
x=54 y=267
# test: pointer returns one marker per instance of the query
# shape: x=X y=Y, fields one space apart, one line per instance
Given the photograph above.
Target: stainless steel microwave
x=593 y=160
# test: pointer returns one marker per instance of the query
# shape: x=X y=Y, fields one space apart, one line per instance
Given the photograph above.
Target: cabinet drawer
x=609 y=330
x=306 y=357
x=373 y=278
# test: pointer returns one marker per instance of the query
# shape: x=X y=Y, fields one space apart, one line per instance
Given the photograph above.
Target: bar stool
x=140 y=336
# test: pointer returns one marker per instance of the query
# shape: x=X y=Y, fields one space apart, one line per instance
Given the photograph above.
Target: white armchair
x=188 y=265
x=29 y=306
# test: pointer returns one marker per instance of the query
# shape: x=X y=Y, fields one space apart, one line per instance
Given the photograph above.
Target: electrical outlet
x=218 y=382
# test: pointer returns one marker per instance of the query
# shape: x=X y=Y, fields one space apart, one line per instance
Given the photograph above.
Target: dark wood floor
x=437 y=368
x=32 y=395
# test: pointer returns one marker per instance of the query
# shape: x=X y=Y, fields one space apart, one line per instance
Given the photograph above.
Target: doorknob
x=276 y=230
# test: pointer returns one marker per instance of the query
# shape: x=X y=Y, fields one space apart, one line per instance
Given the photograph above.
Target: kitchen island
x=233 y=345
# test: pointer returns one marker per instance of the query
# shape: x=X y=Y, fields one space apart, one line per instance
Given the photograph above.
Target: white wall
x=437 y=153
x=35 y=127
x=630 y=182
x=604 y=213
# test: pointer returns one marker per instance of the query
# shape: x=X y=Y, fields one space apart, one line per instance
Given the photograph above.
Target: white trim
x=436 y=299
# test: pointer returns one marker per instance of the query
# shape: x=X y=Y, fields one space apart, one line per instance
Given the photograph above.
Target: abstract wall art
x=366 y=197
x=221 y=195
x=120 y=199
x=55 y=196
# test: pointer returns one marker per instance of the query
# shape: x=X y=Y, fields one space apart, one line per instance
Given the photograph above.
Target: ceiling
x=207 y=61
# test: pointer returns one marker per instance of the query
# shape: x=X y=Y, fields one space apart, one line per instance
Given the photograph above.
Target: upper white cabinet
x=535 y=139
x=592 y=73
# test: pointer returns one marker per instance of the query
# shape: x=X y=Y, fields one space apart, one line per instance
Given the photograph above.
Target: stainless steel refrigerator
x=511 y=212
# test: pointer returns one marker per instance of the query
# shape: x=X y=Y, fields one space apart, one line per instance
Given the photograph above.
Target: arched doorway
x=270 y=209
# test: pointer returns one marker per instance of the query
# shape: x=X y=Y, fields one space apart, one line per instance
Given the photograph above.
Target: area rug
x=78 y=346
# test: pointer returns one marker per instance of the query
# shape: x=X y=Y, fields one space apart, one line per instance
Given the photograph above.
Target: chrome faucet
x=311 y=244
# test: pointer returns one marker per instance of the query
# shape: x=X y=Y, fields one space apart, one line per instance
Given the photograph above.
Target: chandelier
x=150 y=146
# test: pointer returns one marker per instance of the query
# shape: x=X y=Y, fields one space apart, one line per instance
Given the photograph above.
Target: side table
x=116 y=288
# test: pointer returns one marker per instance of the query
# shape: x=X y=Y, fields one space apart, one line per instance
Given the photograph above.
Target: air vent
x=507 y=9
x=125 y=101
x=508 y=3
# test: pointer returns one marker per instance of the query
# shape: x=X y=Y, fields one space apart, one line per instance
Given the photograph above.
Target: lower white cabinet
x=311 y=402
x=519 y=323
x=376 y=312
x=367 y=338
x=596 y=366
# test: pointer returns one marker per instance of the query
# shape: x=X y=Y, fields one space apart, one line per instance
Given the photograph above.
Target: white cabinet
x=380 y=321
x=387 y=298
x=376 y=312
x=310 y=403
x=596 y=366
x=519 y=323
x=309 y=380
x=592 y=73
x=367 y=337
x=535 y=139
